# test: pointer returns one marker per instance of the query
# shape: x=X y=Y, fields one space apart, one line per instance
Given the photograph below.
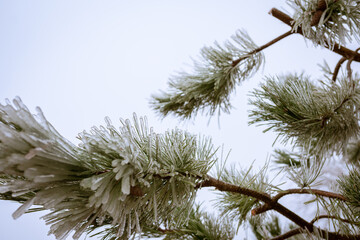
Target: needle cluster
x=213 y=79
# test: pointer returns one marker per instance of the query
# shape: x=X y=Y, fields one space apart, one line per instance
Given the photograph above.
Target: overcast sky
x=83 y=60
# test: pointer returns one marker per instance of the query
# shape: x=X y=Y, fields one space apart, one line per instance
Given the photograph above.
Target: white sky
x=83 y=60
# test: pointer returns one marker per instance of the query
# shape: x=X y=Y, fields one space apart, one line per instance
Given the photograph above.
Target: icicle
x=115 y=162
x=46 y=178
x=32 y=153
x=151 y=136
x=100 y=220
x=82 y=229
x=108 y=121
x=105 y=197
x=23 y=208
x=155 y=208
x=173 y=189
x=125 y=185
x=119 y=171
x=7 y=101
x=129 y=226
x=137 y=222
x=122 y=197
x=18 y=103
x=121 y=228
x=136 y=123
x=44 y=122
x=4 y=189
x=96 y=182
x=19 y=193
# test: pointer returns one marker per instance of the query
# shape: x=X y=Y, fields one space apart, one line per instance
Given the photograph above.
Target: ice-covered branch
x=335 y=47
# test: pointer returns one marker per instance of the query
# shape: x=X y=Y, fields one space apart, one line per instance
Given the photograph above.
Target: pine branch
x=200 y=225
x=350 y=188
x=316 y=192
x=227 y=187
x=337 y=68
x=305 y=225
x=327 y=236
x=129 y=175
x=320 y=118
x=288 y=234
x=214 y=77
x=343 y=51
x=332 y=217
x=259 y=49
x=166 y=231
x=310 y=191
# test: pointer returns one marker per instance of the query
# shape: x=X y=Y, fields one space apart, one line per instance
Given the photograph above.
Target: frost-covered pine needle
x=338 y=21
x=128 y=177
x=213 y=79
x=321 y=118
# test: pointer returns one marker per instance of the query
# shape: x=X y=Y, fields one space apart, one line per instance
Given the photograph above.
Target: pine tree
x=131 y=181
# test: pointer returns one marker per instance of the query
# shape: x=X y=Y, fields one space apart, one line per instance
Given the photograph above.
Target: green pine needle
x=129 y=176
x=339 y=22
x=238 y=206
x=350 y=188
x=214 y=78
x=320 y=119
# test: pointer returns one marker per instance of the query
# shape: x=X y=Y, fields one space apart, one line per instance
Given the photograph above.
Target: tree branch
x=227 y=187
x=348 y=68
x=259 y=49
x=317 y=192
x=166 y=231
x=288 y=234
x=328 y=235
x=343 y=51
x=309 y=191
x=305 y=225
x=332 y=217
x=337 y=68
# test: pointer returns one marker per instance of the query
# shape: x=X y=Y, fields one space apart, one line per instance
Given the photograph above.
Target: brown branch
x=136 y=191
x=337 y=68
x=166 y=231
x=259 y=49
x=309 y=191
x=276 y=198
x=227 y=187
x=343 y=51
x=327 y=235
x=321 y=7
x=332 y=217
x=348 y=68
x=288 y=234
x=296 y=231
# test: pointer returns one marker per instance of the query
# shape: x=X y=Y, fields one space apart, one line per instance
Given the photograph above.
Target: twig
x=227 y=187
x=332 y=217
x=288 y=234
x=309 y=191
x=321 y=7
x=276 y=198
x=136 y=191
x=337 y=68
x=165 y=231
x=302 y=223
x=275 y=40
x=343 y=51
x=348 y=68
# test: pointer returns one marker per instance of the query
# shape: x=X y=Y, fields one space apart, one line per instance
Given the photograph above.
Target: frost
x=95 y=178
x=23 y=208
